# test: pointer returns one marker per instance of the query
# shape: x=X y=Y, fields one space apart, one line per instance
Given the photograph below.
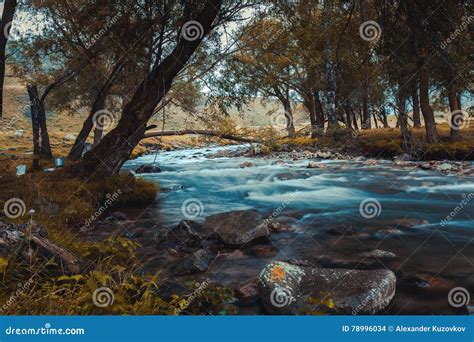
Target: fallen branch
x=200 y=132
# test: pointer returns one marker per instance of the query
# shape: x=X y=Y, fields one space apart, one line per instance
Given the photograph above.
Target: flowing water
x=429 y=214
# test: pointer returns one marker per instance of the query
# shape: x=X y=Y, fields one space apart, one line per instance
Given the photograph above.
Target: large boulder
x=237 y=227
x=294 y=290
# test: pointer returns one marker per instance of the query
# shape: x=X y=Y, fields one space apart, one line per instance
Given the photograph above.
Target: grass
x=385 y=143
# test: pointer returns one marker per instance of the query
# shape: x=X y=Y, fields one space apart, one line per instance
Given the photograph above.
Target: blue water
x=411 y=201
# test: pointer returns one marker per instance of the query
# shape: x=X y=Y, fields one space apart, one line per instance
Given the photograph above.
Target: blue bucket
x=58 y=162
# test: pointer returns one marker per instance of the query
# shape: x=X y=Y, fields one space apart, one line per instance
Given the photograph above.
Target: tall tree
x=9 y=7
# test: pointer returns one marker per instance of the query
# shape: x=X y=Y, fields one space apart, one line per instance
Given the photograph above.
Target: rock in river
x=199 y=261
x=290 y=289
x=148 y=168
x=237 y=227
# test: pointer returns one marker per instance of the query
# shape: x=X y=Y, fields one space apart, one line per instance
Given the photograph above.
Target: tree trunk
x=9 y=7
x=115 y=148
x=365 y=111
x=35 y=126
x=416 y=107
x=311 y=107
x=428 y=115
x=319 y=112
x=406 y=138
x=347 y=110
x=456 y=119
x=383 y=114
x=41 y=145
x=290 y=126
x=329 y=68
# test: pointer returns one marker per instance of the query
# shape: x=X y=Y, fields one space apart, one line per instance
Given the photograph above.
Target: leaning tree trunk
x=455 y=132
x=428 y=115
x=319 y=112
x=115 y=148
x=9 y=7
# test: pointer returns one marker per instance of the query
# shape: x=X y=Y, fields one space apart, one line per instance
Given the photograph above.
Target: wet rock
x=379 y=254
x=387 y=233
x=445 y=167
x=246 y=164
x=197 y=262
x=315 y=165
x=350 y=263
x=189 y=232
x=147 y=168
x=247 y=292
x=402 y=157
x=289 y=289
x=409 y=222
x=263 y=251
x=341 y=230
x=237 y=227
x=234 y=255
x=279 y=226
x=426 y=166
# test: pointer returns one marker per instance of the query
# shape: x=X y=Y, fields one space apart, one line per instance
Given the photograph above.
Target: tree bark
x=115 y=148
x=290 y=126
x=454 y=106
x=35 y=127
x=9 y=7
x=98 y=104
x=428 y=115
x=41 y=145
x=405 y=133
x=416 y=107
